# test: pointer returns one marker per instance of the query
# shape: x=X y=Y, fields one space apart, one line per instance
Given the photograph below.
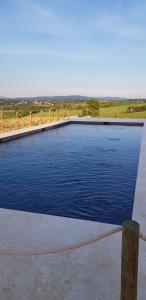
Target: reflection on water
x=79 y=171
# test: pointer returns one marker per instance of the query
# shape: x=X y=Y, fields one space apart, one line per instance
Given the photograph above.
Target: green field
x=25 y=115
x=120 y=111
x=107 y=110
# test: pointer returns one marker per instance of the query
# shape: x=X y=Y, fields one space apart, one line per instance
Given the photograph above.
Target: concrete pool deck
x=91 y=272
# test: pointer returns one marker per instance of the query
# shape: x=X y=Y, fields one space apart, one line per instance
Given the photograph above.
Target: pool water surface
x=78 y=171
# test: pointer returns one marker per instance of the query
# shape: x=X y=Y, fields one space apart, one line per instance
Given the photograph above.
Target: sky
x=73 y=47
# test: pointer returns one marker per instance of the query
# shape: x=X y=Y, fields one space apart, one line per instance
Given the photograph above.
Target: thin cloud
x=63 y=55
x=129 y=26
x=29 y=16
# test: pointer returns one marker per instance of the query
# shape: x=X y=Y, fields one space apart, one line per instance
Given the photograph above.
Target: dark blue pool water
x=79 y=171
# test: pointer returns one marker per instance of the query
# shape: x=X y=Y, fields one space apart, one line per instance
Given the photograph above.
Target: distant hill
x=69 y=98
x=64 y=98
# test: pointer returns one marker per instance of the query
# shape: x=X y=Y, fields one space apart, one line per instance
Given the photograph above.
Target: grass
x=120 y=111
x=9 y=120
x=8 y=123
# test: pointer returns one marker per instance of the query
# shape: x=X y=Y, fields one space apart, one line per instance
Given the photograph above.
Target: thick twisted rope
x=142 y=236
x=65 y=248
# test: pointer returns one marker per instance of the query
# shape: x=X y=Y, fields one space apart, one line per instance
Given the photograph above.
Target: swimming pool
x=78 y=171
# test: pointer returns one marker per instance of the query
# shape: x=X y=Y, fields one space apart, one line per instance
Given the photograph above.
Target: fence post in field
x=1 y=116
x=129 y=267
x=43 y=116
x=17 y=119
x=60 y=113
x=41 y=121
x=56 y=114
x=68 y=113
x=49 y=115
x=30 y=117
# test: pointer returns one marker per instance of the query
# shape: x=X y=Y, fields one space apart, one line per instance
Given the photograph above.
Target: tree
x=93 y=107
x=93 y=104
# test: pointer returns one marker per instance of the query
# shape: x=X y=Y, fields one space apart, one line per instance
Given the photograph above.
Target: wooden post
x=99 y=112
x=1 y=114
x=68 y=113
x=30 y=115
x=49 y=115
x=17 y=117
x=129 y=268
x=60 y=113
x=41 y=112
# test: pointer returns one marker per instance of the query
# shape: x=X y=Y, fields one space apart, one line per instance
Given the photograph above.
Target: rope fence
x=65 y=248
x=19 y=121
x=142 y=236
x=129 y=259
x=71 y=247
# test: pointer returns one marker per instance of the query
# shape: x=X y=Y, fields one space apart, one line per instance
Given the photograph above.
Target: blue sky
x=64 y=47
